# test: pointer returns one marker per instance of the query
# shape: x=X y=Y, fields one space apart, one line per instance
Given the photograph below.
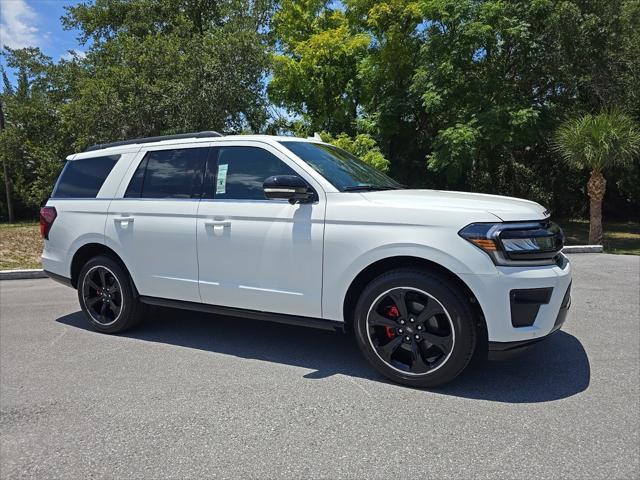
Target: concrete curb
x=22 y=274
x=583 y=249
x=36 y=273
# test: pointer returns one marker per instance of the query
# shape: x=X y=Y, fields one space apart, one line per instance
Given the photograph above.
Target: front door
x=255 y=253
x=153 y=226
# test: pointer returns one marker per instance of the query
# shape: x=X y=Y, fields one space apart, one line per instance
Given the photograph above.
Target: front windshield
x=344 y=171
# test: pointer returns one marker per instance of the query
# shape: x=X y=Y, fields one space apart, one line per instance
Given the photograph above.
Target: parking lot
x=190 y=396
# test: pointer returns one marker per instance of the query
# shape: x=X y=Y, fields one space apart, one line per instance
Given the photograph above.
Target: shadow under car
x=550 y=370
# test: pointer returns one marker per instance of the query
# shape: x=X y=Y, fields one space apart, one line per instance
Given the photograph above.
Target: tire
x=113 y=309
x=432 y=345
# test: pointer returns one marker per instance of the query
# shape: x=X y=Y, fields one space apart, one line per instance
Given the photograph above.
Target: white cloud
x=73 y=54
x=18 y=24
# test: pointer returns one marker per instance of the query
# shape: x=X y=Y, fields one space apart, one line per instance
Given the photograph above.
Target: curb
x=583 y=249
x=22 y=274
x=38 y=273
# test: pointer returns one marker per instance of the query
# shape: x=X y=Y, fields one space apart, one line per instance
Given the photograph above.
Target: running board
x=319 y=323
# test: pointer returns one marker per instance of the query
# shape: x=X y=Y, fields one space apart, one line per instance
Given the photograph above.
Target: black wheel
x=415 y=327
x=106 y=296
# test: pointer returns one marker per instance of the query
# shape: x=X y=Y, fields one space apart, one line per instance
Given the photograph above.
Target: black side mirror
x=290 y=187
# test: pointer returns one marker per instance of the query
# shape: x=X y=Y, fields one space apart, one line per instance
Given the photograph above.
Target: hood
x=507 y=209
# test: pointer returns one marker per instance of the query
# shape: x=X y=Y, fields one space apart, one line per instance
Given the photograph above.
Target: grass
x=21 y=245
x=619 y=237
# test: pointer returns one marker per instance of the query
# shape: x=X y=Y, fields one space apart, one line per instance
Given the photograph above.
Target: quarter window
x=84 y=178
x=241 y=171
x=169 y=174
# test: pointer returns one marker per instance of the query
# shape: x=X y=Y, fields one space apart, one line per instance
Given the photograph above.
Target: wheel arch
x=381 y=266
x=87 y=252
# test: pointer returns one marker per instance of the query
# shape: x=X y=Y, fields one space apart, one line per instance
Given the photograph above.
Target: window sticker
x=221 y=182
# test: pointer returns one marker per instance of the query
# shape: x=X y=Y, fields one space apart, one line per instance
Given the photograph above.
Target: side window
x=135 y=185
x=83 y=178
x=169 y=174
x=241 y=171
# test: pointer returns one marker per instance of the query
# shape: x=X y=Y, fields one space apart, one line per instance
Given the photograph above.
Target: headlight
x=517 y=243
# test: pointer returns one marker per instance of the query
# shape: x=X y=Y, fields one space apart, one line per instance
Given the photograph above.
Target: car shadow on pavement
x=554 y=369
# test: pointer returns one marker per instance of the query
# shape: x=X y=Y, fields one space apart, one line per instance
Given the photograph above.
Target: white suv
x=299 y=231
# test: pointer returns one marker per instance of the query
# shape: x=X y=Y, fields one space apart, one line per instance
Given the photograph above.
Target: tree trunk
x=5 y=173
x=596 y=188
x=7 y=188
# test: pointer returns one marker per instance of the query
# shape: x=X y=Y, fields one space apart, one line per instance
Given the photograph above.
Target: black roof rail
x=204 y=134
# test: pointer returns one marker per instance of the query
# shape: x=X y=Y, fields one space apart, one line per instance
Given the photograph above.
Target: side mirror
x=290 y=187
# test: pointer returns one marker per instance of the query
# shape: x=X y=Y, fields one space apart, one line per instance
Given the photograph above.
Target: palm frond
x=598 y=141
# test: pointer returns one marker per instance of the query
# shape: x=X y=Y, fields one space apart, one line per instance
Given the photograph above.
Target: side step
x=319 y=323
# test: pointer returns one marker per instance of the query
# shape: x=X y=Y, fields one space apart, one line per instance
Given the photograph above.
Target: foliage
x=362 y=146
x=475 y=88
x=316 y=76
x=166 y=66
x=30 y=144
x=598 y=142
x=458 y=94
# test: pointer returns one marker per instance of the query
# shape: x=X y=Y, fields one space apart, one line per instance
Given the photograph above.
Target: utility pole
x=5 y=171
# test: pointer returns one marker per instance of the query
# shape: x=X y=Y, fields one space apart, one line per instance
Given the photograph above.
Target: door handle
x=217 y=223
x=123 y=219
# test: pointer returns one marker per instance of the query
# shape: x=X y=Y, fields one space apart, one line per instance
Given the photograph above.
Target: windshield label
x=221 y=182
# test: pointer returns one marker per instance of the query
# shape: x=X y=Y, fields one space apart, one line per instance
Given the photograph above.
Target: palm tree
x=598 y=142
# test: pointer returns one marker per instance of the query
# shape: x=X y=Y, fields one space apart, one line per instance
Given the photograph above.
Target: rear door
x=152 y=227
x=255 y=253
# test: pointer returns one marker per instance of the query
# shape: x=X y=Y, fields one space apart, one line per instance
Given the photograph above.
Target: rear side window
x=84 y=178
x=241 y=171
x=169 y=174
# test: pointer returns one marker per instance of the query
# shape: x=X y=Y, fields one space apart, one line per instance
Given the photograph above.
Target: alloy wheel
x=102 y=295
x=410 y=331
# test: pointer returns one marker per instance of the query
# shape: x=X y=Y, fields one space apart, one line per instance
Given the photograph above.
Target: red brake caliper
x=392 y=313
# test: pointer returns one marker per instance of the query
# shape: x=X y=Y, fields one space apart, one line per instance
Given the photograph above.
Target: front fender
x=338 y=277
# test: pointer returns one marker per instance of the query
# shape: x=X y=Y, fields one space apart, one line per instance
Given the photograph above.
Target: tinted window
x=241 y=171
x=83 y=178
x=135 y=185
x=342 y=169
x=169 y=174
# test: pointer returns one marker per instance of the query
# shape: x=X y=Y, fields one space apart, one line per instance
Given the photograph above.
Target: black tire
x=100 y=305
x=442 y=337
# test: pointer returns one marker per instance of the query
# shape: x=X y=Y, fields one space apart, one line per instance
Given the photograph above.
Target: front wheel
x=107 y=297
x=415 y=327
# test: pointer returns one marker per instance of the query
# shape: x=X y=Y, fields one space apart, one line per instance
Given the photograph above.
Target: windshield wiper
x=366 y=188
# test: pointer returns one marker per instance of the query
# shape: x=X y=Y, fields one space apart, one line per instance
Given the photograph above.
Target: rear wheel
x=107 y=297
x=415 y=327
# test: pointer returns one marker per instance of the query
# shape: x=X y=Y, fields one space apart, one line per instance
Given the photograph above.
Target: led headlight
x=517 y=243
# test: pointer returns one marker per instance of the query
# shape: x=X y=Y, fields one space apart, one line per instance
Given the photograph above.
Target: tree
x=315 y=71
x=362 y=146
x=168 y=66
x=31 y=146
x=6 y=91
x=598 y=143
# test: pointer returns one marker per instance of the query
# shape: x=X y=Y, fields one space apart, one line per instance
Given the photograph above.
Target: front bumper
x=504 y=350
x=508 y=317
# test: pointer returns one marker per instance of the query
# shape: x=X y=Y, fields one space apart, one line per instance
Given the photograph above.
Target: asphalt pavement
x=194 y=396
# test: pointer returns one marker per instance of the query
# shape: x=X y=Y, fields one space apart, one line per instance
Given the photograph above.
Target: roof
x=184 y=138
x=136 y=141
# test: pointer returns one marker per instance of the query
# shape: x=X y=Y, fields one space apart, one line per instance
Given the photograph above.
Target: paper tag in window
x=221 y=182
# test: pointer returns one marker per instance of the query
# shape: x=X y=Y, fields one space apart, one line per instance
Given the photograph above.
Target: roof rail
x=133 y=141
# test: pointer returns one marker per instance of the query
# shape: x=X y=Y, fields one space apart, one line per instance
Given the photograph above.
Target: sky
x=36 y=23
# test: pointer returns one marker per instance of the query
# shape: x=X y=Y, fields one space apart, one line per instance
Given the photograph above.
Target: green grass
x=21 y=245
x=619 y=237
